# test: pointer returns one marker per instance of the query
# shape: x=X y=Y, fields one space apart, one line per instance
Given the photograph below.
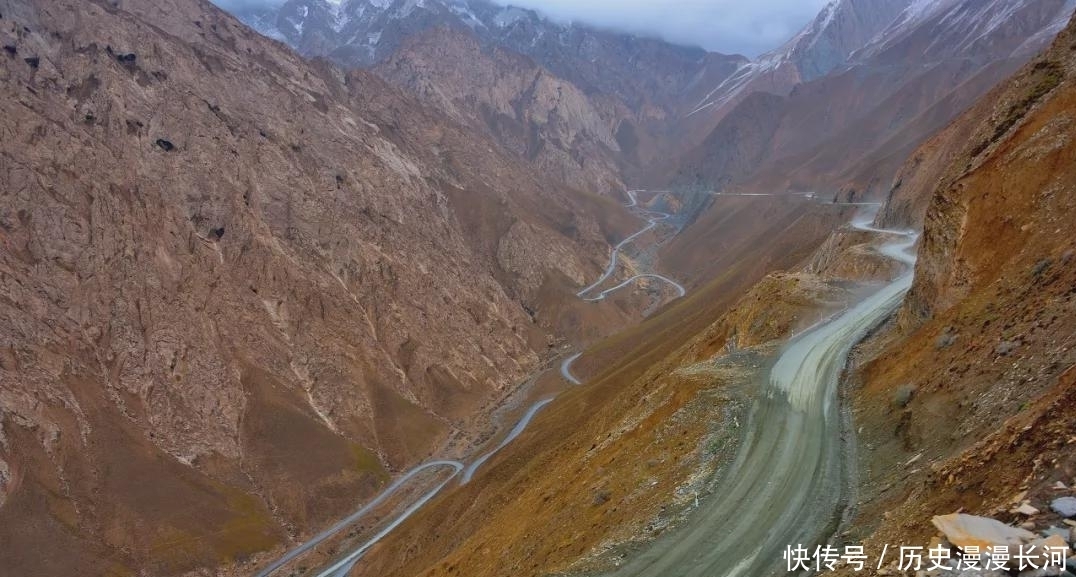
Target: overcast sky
x=744 y=26
x=731 y=26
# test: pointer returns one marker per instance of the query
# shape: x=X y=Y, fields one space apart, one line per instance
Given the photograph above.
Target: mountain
x=824 y=45
x=620 y=91
x=240 y=289
x=529 y=111
x=859 y=89
x=873 y=77
x=361 y=33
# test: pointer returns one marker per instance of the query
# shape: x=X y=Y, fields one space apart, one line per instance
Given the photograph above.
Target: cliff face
x=841 y=29
x=236 y=288
x=933 y=188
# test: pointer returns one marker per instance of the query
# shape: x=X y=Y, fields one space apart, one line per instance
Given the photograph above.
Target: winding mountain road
x=465 y=472
x=459 y=469
x=680 y=291
x=785 y=485
x=515 y=432
x=456 y=467
x=653 y=218
x=566 y=369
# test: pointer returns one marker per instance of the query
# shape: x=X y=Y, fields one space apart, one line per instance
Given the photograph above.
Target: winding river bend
x=785 y=485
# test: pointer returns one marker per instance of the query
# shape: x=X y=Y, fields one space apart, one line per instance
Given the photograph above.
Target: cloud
x=743 y=26
x=241 y=5
x=746 y=27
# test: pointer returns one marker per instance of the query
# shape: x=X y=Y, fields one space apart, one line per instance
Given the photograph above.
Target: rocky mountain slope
x=619 y=459
x=826 y=44
x=530 y=112
x=839 y=106
x=361 y=33
x=239 y=289
x=859 y=89
x=616 y=93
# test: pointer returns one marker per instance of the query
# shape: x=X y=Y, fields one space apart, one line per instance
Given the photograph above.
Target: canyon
x=444 y=287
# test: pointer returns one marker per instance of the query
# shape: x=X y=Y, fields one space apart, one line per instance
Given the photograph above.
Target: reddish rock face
x=237 y=288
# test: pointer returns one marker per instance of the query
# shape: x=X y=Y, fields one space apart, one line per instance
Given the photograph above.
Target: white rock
x=969 y=530
x=1065 y=506
x=1026 y=509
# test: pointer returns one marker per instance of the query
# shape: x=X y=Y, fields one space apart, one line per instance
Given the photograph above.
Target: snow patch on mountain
x=509 y=16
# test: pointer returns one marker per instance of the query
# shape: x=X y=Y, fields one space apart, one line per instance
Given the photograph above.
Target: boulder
x=1065 y=506
x=965 y=530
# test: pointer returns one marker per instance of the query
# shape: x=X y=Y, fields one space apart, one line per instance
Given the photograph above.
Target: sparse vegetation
x=601 y=497
x=1046 y=75
x=1041 y=267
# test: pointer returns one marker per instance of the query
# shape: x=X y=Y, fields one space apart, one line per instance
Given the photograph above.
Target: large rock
x=1062 y=532
x=969 y=530
x=1065 y=506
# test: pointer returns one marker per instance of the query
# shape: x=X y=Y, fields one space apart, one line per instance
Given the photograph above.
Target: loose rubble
x=963 y=533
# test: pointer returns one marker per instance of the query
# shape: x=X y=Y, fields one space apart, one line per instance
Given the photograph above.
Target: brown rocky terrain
x=616 y=462
x=528 y=110
x=240 y=289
